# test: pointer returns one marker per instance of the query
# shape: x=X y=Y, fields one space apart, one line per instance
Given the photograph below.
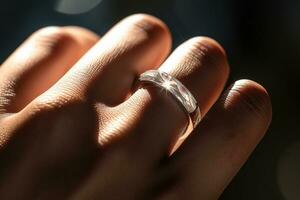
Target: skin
x=73 y=127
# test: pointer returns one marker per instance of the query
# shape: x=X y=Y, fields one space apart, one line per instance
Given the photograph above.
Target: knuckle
x=46 y=104
x=209 y=53
x=64 y=116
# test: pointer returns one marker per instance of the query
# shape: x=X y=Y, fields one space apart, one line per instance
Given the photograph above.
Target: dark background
x=262 y=39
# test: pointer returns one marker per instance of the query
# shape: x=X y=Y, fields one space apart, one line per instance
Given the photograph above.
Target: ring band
x=178 y=91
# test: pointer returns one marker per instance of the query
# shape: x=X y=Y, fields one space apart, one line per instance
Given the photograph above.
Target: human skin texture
x=72 y=126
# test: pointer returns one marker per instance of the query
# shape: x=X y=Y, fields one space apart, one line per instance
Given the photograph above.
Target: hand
x=72 y=127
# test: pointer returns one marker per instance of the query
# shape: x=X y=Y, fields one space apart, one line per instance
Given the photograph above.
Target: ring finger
x=154 y=120
x=201 y=65
x=105 y=74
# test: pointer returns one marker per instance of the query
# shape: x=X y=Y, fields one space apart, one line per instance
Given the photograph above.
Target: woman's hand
x=71 y=126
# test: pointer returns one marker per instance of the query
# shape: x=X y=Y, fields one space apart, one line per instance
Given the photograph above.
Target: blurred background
x=262 y=39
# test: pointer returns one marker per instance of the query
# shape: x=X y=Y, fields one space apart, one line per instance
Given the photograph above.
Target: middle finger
x=105 y=74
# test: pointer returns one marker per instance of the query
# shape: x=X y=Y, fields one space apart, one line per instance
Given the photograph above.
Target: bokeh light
x=76 y=6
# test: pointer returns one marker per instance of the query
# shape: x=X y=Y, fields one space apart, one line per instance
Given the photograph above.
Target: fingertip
x=251 y=96
x=213 y=51
x=150 y=23
x=81 y=34
x=153 y=27
x=58 y=39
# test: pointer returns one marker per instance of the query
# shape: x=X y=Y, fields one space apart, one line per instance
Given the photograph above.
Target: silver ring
x=179 y=92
